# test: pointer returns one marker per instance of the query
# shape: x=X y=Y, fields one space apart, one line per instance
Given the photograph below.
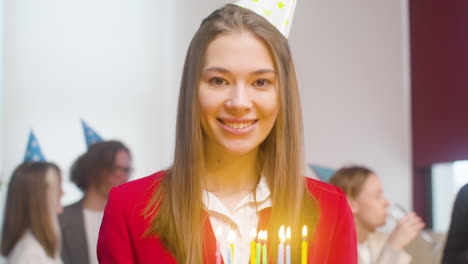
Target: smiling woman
x=238 y=162
x=238 y=101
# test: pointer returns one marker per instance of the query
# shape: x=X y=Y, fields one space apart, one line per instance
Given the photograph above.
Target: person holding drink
x=370 y=209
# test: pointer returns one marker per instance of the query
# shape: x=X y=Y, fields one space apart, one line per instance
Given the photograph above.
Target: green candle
x=264 y=248
x=258 y=252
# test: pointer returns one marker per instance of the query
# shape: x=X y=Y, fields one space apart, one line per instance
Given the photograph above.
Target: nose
x=239 y=101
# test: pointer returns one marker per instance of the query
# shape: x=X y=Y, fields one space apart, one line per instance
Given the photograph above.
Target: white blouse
x=242 y=220
x=29 y=251
x=92 y=223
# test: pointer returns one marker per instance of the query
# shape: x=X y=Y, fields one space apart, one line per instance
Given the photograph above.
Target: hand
x=406 y=230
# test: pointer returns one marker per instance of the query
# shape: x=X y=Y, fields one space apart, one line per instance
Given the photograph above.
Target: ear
x=353 y=204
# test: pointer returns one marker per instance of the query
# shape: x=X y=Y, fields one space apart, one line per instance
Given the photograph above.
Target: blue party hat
x=90 y=135
x=324 y=174
x=33 y=151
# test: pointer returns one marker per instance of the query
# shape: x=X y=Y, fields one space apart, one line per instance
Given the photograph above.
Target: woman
x=106 y=164
x=369 y=206
x=238 y=160
x=30 y=229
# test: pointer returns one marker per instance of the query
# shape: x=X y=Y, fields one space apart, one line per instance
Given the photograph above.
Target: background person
x=370 y=209
x=30 y=232
x=105 y=165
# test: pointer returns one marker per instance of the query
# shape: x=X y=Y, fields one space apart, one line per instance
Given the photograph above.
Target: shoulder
x=72 y=209
x=71 y=215
x=334 y=208
x=378 y=237
x=325 y=193
x=139 y=186
x=136 y=192
x=463 y=193
x=28 y=250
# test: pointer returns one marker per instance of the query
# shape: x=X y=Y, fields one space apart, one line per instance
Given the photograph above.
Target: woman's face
x=118 y=174
x=55 y=190
x=370 y=204
x=238 y=93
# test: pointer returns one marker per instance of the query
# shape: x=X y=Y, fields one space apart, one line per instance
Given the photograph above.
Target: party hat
x=279 y=13
x=33 y=151
x=90 y=135
x=324 y=174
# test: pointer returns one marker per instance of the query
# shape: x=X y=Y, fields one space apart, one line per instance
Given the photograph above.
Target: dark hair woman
x=105 y=165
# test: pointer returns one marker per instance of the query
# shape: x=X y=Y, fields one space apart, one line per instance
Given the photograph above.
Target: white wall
x=352 y=63
x=1 y=96
x=104 y=61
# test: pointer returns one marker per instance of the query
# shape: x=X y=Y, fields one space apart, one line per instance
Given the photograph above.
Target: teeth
x=239 y=125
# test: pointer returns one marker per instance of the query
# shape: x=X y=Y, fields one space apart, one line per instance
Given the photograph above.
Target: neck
x=362 y=231
x=227 y=174
x=94 y=200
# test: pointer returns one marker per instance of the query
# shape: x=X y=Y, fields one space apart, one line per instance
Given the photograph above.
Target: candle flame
x=265 y=235
x=281 y=234
x=253 y=234
x=304 y=233
x=231 y=237
x=219 y=232
x=288 y=234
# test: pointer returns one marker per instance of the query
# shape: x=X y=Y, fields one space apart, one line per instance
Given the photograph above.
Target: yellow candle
x=231 y=237
x=232 y=252
x=304 y=246
x=253 y=235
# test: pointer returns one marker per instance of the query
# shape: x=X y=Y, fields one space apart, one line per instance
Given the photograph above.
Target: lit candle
x=230 y=249
x=258 y=252
x=304 y=246
x=281 y=245
x=219 y=233
x=264 y=247
x=288 y=245
x=253 y=235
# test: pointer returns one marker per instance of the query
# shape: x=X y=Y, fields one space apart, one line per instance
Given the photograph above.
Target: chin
x=239 y=148
x=381 y=223
x=239 y=152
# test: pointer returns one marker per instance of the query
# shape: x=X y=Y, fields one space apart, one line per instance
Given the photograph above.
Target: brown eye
x=217 y=81
x=261 y=83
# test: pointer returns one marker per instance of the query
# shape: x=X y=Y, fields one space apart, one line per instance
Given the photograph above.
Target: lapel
x=75 y=242
x=209 y=240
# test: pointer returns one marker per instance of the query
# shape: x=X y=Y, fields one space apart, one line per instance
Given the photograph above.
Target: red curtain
x=439 y=83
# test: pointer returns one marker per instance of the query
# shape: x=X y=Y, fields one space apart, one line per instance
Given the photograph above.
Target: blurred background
x=383 y=84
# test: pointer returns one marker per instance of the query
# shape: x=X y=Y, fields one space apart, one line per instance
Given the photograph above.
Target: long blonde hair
x=29 y=207
x=176 y=206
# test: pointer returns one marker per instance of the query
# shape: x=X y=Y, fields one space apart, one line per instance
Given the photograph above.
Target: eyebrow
x=223 y=70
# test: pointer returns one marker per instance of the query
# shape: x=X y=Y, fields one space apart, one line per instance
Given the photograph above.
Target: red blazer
x=121 y=236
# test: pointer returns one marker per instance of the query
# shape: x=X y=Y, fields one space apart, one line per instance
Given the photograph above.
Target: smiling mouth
x=237 y=125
